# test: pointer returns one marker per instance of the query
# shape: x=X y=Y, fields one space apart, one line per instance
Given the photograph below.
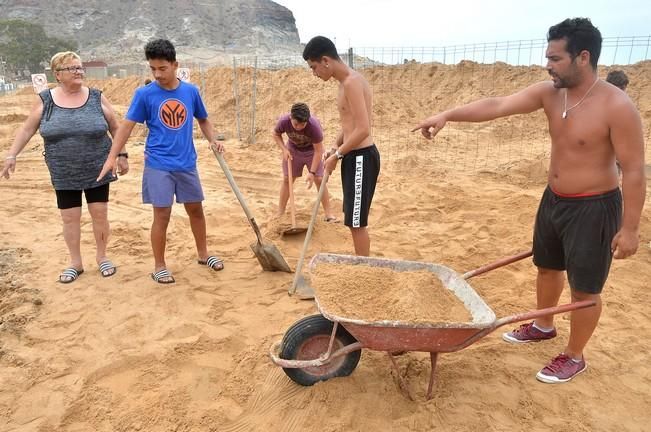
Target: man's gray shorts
x=159 y=187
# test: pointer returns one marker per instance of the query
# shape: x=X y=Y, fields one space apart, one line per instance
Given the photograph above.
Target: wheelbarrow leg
x=433 y=356
x=401 y=381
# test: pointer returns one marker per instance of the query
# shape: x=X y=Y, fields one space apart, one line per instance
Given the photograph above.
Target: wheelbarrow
x=323 y=346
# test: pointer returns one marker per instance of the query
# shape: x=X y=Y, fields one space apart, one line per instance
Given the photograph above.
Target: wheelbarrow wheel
x=307 y=339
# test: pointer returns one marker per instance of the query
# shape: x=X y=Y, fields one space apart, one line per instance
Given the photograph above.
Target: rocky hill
x=203 y=29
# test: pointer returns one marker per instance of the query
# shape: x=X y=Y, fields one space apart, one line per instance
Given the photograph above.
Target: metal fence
x=7 y=88
x=246 y=94
x=614 y=50
x=622 y=50
x=411 y=83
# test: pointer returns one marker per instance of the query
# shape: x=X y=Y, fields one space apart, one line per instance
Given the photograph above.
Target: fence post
x=630 y=53
x=351 y=62
x=253 y=91
x=519 y=46
x=237 y=100
x=203 y=81
x=616 y=48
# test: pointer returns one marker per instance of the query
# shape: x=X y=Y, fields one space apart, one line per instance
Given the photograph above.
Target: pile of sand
x=382 y=294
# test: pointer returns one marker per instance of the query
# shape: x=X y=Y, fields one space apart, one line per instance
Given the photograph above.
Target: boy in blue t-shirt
x=168 y=106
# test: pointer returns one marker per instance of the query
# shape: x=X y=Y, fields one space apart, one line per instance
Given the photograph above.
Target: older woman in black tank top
x=74 y=120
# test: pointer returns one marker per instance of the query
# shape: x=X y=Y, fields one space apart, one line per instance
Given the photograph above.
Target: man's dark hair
x=160 y=49
x=618 y=78
x=580 y=35
x=318 y=47
x=300 y=112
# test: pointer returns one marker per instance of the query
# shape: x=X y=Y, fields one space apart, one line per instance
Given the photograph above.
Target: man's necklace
x=566 y=109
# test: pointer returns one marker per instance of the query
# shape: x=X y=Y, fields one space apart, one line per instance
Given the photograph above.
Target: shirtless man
x=580 y=224
x=360 y=159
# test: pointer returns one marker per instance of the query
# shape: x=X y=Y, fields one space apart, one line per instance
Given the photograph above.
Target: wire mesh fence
x=245 y=96
x=411 y=83
x=614 y=50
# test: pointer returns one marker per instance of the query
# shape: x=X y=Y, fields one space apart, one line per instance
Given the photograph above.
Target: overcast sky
x=429 y=23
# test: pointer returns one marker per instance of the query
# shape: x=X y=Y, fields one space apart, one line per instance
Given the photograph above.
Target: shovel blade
x=270 y=257
x=294 y=230
x=302 y=288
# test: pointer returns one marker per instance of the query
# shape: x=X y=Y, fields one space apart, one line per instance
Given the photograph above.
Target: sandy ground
x=126 y=354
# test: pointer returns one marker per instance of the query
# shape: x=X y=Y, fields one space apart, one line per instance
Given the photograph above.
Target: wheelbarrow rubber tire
x=312 y=334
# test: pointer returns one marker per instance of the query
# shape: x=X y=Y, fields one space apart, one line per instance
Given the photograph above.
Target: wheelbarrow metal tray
x=387 y=335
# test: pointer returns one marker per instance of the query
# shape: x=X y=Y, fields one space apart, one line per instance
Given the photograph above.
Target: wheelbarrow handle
x=325 y=358
x=526 y=316
x=499 y=263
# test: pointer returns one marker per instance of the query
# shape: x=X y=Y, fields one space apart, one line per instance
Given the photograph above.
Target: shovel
x=300 y=286
x=267 y=254
x=292 y=209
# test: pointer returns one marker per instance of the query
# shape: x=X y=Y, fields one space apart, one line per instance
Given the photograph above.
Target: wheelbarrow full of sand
x=327 y=345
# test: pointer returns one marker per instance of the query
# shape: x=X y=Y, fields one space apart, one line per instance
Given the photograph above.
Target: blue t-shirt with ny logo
x=169 y=116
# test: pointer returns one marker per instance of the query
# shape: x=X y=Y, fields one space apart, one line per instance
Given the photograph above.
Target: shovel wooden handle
x=238 y=194
x=308 y=235
x=290 y=180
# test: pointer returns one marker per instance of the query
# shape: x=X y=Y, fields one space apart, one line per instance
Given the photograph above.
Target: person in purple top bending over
x=304 y=148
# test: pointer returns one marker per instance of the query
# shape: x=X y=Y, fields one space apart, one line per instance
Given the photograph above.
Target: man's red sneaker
x=528 y=333
x=561 y=369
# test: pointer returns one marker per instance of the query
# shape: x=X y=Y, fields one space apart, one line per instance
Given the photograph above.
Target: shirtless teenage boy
x=360 y=159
